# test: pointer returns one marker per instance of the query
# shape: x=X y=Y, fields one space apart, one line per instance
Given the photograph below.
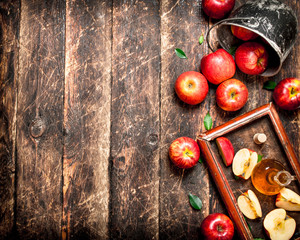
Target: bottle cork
x=259 y=138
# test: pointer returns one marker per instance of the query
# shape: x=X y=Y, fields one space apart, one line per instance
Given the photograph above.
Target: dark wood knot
x=153 y=139
x=37 y=127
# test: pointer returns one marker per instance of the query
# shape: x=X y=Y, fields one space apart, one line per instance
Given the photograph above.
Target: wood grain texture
x=9 y=29
x=135 y=125
x=289 y=69
x=182 y=23
x=89 y=111
x=87 y=120
x=39 y=120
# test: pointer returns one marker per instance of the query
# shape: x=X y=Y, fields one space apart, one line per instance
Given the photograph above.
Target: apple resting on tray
x=288 y=200
x=243 y=163
x=278 y=225
x=249 y=205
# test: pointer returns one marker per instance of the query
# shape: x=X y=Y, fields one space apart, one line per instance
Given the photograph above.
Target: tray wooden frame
x=216 y=171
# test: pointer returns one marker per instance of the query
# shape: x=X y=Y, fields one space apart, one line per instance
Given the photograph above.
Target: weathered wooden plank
x=9 y=26
x=220 y=116
x=87 y=120
x=135 y=125
x=182 y=23
x=39 y=120
x=291 y=119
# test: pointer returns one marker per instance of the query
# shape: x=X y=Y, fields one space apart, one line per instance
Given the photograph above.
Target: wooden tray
x=240 y=131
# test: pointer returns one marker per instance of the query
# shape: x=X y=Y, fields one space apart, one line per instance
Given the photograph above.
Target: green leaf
x=207 y=121
x=180 y=53
x=259 y=239
x=200 y=160
x=232 y=50
x=248 y=224
x=237 y=177
x=259 y=158
x=269 y=85
x=201 y=39
x=195 y=202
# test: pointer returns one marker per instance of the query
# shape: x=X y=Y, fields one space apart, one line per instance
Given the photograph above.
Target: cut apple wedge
x=226 y=150
x=243 y=163
x=288 y=200
x=278 y=225
x=249 y=205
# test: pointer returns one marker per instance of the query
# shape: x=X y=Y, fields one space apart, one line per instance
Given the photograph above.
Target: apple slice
x=288 y=200
x=243 y=163
x=249 y=205
x=226 y=150
x=278 y=225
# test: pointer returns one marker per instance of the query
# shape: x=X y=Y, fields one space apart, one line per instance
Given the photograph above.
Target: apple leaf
x=180 y=53
x=237 y=177
x=207 y=121
x=248 y=224
x=201 y=39
x=200 y=160
x=195 y=202
x=259 y=239
x=232 y=50
x=259 y=158
x=269 y=85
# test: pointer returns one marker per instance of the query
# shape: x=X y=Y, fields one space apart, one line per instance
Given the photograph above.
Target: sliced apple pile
x=226 y=150
x=243 y=163
x=249 y=205
x=288 y=200
x=278 y=225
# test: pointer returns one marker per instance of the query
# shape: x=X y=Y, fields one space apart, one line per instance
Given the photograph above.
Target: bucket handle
x=224 y=20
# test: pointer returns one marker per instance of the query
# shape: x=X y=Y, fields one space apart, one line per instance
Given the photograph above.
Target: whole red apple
x=218 y=66
x=231 y=95
x=184 y=152
x=191 y=87
x=217 y=8
x=217 y=226
x=251 y=58
x=287 y=94
x=243 y=33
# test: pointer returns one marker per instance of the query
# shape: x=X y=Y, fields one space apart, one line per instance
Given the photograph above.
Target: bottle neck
x=283 y=178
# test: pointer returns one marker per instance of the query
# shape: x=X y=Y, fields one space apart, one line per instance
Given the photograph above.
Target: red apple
x=287 y=94
x=218 y=66
x=231 y=95
x=191 y=87
x=184 y=152
x=243 y=33
x=217 y=8
x=226 y=150
x=251 y=58
x=217 y=226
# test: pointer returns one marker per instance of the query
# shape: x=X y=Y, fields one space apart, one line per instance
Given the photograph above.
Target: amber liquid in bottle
x=266 y=174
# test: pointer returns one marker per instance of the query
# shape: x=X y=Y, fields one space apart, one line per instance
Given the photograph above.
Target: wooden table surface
x=88 y=111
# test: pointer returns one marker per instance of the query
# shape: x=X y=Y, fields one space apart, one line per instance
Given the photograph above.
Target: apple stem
x=187 y=154
x=293 y=91
x=220 y=228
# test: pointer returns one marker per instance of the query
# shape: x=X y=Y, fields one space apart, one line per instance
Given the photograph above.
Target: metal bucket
x=272 y=20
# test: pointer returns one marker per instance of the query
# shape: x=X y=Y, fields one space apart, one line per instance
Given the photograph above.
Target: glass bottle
x=269 y=177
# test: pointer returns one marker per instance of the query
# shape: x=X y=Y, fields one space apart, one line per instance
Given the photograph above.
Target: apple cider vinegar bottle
x=269 y=177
